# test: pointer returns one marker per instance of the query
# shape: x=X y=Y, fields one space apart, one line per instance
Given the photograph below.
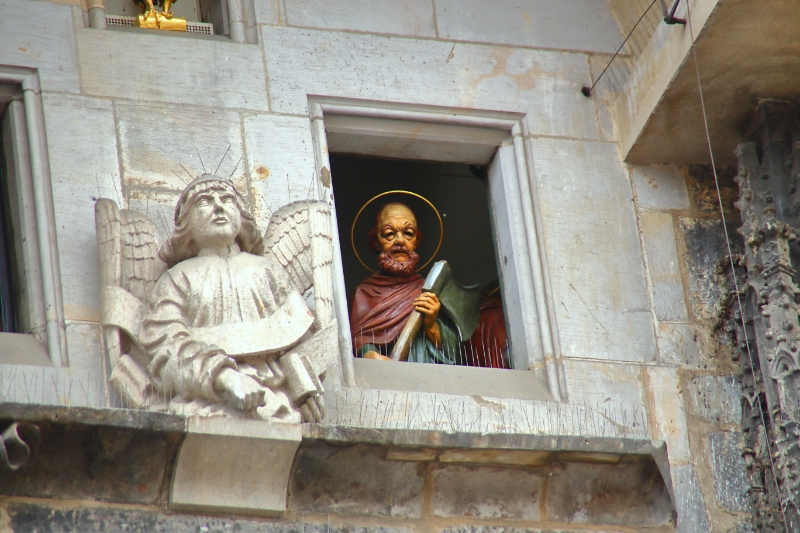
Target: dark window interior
x=458 y=191
x=8 y=317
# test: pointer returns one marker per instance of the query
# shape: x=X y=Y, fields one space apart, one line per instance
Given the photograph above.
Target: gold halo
x=438 y=216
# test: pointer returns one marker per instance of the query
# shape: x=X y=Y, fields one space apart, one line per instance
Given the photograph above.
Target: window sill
x=180 y=34
x=446 y=379
x=22 y=349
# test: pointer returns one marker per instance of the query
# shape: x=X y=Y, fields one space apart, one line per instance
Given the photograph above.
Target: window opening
x=204 y=17
x=29 y=261
x=459 y=192
x=9 y=317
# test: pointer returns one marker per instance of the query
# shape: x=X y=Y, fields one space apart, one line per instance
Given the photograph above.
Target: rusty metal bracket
x=669 y=14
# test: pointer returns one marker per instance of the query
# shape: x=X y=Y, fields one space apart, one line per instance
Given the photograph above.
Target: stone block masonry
x=631 y=258
x=690 y=282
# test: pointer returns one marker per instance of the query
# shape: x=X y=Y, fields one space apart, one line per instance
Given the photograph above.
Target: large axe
x=462 y=305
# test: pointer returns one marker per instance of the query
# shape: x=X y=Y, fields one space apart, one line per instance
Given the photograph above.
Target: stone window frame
x=20 y=89
x=533 y=327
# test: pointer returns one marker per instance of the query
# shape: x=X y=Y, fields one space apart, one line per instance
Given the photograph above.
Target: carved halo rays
x=381 y=195
x=204 y=167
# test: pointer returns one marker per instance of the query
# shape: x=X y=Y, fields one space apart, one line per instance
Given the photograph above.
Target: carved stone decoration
x=767 y=330
x=17 y=443
x=213 y=321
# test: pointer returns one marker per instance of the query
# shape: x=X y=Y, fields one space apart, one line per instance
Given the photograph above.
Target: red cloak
x=488 y=346
x=381 y=306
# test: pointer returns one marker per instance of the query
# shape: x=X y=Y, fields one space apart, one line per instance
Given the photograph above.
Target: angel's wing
x=128 y=244
x=106 y=220
x=141 y=266
x=299 y=238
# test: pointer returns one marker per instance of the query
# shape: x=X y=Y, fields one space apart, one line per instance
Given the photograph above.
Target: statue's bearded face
x=215 y=219
x=397 y=239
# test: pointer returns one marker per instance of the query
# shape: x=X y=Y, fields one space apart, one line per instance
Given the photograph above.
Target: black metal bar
x=669 y=15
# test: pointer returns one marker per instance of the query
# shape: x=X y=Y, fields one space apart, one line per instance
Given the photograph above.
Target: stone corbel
x=97 y=14
x=234 y=465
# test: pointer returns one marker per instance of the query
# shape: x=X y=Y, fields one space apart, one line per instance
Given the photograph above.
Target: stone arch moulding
x=455 y=132
x=31 y=150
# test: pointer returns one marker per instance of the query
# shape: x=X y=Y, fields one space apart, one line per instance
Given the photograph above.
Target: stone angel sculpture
x=212 y=320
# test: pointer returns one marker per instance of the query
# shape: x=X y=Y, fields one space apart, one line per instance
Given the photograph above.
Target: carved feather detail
x=299 y=238
x=128 y=244
x=141 y=241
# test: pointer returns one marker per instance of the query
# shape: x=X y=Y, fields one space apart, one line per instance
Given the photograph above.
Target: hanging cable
x=587 y=91
x=730 y=257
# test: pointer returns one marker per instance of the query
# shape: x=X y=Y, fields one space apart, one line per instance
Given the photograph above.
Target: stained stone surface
x=354 y=480
x=661 y=187
x=716 y=398
x=691 y=506
x=580 y=25
x=597 y=494
x=704 y=190
x=95 y=463
x=743 y=527
x=228 y=75
x=47 y=45
x=707 y=264
x=502 y=529
x=414 y=17
x=682 y=344
x=29 y=517
x=595 y=260
x=666 y=280
x=728 y=469
x=486 y=492
x=77 y=181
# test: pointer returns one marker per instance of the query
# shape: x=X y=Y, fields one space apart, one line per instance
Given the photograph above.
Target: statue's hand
x=313 y=409
x=375 y=355
x=428 y=305
x=241 y=391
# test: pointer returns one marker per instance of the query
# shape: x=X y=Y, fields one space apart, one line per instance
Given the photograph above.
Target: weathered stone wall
x=691 y=284
x=631 y=253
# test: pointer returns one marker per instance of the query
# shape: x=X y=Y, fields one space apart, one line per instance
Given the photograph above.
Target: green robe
x=422 y=349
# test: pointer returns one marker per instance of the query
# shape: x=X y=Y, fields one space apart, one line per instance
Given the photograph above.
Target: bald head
x=395 y=213
x=395 y=237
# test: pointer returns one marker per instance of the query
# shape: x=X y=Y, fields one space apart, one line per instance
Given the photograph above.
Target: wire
x=730 y=258
x=588 y=91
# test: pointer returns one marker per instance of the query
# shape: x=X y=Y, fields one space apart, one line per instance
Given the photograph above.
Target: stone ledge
x=509 y=449
x=203 y=464
x=119 y=418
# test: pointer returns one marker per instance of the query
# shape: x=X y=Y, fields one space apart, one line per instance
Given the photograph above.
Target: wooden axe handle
x=406 y=337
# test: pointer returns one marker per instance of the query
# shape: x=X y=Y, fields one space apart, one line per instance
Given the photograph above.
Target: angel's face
x=215 y=219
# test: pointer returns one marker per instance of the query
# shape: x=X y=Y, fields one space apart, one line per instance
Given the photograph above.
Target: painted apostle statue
x=384 y=301
x=225 y=329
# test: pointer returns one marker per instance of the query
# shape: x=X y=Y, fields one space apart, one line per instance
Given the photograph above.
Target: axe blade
x=461 y=303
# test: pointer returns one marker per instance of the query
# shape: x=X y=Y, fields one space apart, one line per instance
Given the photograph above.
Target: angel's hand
x=375 y=355
x=313 y=410
x=243 y=392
